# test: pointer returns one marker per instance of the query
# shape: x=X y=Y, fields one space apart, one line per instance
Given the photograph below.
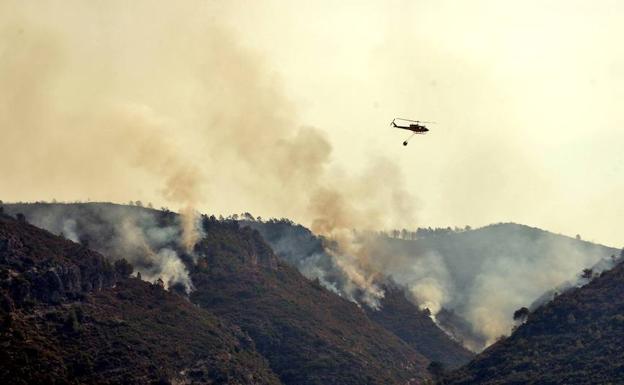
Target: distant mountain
x=471 y=280
x=578 y=338
x=70 y=315
x=482 y=276
x=306 y=333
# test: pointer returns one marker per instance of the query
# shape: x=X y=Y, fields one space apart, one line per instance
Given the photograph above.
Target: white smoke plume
x=69 y=230
x=164 y=264
x=485 y=275
x=471 y=281
x=115 y=100
x=172 y=108
x=132 y=233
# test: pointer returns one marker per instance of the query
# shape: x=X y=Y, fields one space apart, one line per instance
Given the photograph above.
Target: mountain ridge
x=574 y=339
x=307 y=334
x=450 y=272
x=69 y=315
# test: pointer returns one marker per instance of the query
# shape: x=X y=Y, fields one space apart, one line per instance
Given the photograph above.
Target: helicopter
x=412 y=125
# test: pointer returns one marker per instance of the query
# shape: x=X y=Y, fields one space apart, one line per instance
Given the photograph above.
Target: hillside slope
x=300 y=247
x=69 y=315
x=416 y=327
x=578 y=338
x=308 y=334
x=474 y=280
x=471 y=280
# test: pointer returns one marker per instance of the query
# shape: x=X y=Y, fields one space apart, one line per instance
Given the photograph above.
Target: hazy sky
x=527 y=95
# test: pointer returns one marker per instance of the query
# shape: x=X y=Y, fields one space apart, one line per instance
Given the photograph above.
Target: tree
x=123 y=268
x=72 y=323
x=587 y=273
x=436 y=369
x=521 y=314
x=578 y=237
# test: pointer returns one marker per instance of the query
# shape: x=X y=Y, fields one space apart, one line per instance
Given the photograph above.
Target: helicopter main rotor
x=414 y=121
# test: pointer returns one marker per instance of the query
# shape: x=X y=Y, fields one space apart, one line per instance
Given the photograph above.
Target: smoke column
x=110 y=101
x=115 y=101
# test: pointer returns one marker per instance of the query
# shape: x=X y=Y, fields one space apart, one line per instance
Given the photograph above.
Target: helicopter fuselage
x=417 y=128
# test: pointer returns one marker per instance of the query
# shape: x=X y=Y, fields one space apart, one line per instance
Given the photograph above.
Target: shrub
x=123 y=268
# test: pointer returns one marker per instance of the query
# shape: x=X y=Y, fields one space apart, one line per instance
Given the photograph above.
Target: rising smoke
x=113 y=101
x=97 y=105
x=470 y=281
x=150 y=240
x=483 y=276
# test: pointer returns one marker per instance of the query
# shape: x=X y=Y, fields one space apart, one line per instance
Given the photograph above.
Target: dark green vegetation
x=415 y=327
x=306 y=334
x=576 y=339
x=297 y=245
x=68 y=315
x=72 y=315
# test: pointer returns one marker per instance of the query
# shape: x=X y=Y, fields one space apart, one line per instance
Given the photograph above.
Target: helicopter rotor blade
x=415 y=121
